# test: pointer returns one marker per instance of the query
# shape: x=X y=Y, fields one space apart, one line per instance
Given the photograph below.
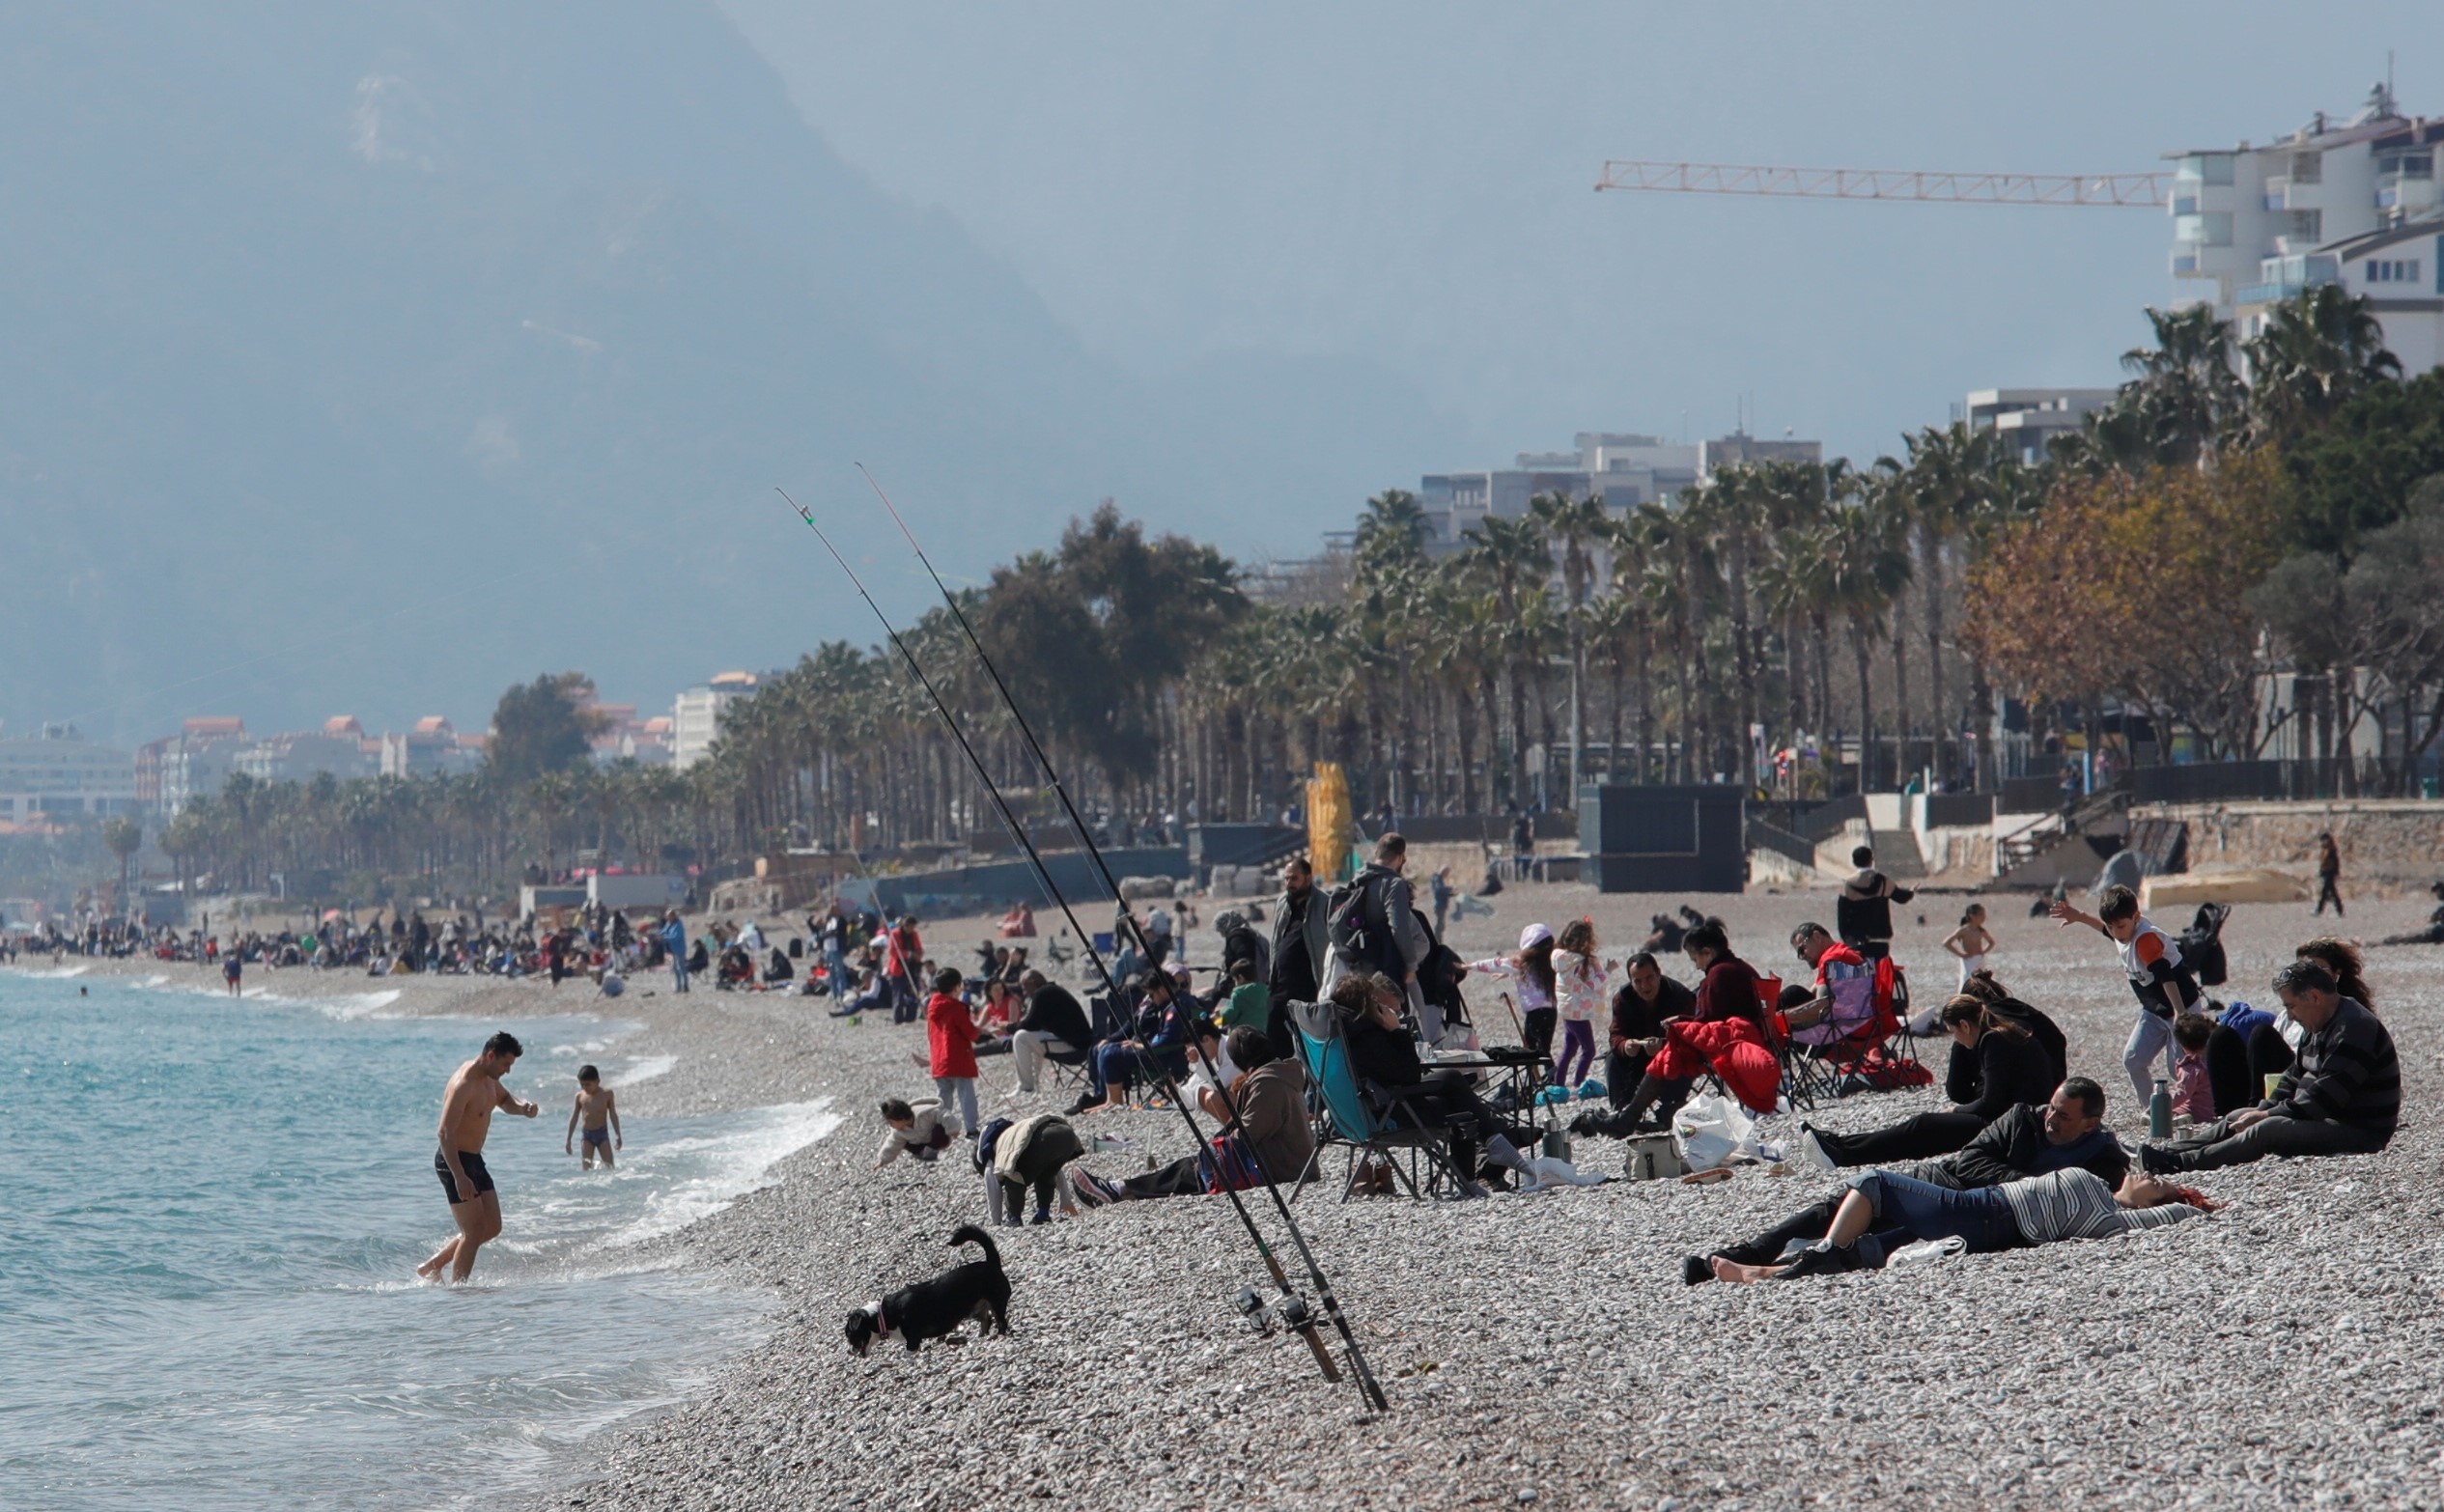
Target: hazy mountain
x=363 y=357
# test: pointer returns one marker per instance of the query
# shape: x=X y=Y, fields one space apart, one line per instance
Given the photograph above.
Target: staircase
x=2041 y=836
x=1896 y=853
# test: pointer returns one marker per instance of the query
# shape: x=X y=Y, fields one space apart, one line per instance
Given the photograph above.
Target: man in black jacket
x=1298 y=944
x=1646 y=998
x=2343 y=1095
x=2026 y=1141
x=1054 y=1024
x=1864 y=912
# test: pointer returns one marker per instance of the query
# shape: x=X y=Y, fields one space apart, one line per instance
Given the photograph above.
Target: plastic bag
x=1712 y=1131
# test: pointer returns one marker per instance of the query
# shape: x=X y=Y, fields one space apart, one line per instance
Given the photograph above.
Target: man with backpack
x=1373 y=925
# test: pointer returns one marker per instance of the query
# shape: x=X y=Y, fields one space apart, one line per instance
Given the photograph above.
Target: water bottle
x=2159 y=1111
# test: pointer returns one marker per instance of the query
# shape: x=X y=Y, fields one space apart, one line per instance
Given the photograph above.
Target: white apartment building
x=2355 y=203
x=695 y=718
x=1628 y=469
x=59 y=772
x=2028 y=419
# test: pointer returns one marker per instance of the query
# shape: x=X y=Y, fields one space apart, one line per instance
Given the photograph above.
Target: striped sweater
x=2077 y=1204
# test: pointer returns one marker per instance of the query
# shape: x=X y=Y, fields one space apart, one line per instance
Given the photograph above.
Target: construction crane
x=2125 y=190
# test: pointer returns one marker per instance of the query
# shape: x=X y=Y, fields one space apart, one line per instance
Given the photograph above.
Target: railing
x=2241 y=781
x=1766 y=836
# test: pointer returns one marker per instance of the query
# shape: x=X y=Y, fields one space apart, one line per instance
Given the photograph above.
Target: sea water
x=212 y=1210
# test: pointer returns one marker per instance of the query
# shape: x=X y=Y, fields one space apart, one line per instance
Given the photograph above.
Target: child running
x=1531 y=968
x=2164 y=987
x=598 y=1107
x=1579 y=980
x=1971 y=942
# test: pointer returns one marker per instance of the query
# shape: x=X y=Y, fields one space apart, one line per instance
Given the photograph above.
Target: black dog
x=930 y=1310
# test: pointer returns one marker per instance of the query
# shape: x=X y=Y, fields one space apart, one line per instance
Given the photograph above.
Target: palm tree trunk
x=1463 y=719
x=1866 y=707
x=1900 y=693
x=1646 y=701
x=1930 y=547
x=1744 y=656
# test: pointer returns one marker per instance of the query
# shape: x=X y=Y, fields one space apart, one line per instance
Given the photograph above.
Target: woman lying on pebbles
x=1882 y=1210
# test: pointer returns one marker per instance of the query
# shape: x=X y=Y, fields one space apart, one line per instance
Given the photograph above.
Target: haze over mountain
x=366 y=357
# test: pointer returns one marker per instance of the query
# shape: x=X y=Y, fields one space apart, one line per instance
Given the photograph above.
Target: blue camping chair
x=1347 y=1115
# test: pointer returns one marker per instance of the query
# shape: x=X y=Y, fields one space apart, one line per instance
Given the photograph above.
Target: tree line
x=2244 y=506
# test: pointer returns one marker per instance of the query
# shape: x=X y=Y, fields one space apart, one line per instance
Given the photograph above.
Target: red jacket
x=950 y=1033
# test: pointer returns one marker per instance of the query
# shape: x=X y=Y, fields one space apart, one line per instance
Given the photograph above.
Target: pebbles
x=1541 y=1350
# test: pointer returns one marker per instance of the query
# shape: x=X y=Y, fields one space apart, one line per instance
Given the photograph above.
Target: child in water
x=598 y=1109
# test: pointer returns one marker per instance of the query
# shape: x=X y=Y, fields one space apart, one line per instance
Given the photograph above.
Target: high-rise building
x=2353 y=204
x=695 y=718
x=58 y=772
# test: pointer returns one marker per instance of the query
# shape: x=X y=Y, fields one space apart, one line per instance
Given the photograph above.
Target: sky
x=1410 y=185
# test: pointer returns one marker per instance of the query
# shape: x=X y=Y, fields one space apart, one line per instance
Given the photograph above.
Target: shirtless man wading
x=467 y=1117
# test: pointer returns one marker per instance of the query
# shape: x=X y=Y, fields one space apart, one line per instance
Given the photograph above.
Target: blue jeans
x=679 y=973
x=836 y=967
x=2150 y=1037
x=964 y=1090
x=1980 y=1218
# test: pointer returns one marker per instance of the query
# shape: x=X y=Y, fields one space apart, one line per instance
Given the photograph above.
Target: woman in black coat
x=1997 y=1064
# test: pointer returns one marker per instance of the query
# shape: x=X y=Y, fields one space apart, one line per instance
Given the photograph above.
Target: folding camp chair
x=1347 y=1115
x=1805 y=1080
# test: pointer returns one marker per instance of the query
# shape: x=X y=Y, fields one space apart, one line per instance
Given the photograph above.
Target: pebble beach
x=1541 y=1349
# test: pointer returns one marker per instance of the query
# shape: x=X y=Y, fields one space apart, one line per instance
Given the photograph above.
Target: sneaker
x=1085 y=1101
x=1585 y=1123
x=2157 y=1160
x=1808 y=1150
x=1092 y=1191
x=1696 y=1270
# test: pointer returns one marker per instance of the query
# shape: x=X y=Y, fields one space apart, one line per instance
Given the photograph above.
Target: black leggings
x=1919 y=1138
x=2236 y=1068
x=1535 y=1030
x=1447 y=1100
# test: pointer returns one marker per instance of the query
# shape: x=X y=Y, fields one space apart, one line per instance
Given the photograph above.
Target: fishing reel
x=1291 y=1312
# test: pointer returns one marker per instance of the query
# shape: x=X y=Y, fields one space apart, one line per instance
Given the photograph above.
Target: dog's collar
x=882 y=1324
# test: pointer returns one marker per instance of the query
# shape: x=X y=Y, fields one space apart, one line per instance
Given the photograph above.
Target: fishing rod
x=1043 y=874
x=1294 y=1311
x=1368 y=1386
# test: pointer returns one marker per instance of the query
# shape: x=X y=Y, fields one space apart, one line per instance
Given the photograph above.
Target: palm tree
x=1948 y=478
x=1393 y=530
x=2317 y=349
x=1573 y=525
x=1868 y=570
x=124 y=837
x=2185 y=390
x=1512 y=554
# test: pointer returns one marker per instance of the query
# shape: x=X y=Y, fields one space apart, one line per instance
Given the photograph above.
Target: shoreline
x=1538 y=1346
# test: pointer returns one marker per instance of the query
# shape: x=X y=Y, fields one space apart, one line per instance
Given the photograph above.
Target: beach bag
x=1712 y=1131
x=1654 y=1158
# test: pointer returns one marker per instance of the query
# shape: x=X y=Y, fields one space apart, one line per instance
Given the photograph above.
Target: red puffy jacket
x=950 y=1034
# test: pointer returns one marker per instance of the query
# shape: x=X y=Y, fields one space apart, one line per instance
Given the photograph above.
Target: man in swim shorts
x=467 y=1102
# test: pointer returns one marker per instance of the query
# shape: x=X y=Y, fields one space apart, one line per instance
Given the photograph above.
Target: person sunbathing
x=1884 y=1209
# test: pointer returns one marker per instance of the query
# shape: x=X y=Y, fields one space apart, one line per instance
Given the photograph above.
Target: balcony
x=2281 y=289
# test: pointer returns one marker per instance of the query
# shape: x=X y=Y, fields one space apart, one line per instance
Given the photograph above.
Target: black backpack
x=1360 y=927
